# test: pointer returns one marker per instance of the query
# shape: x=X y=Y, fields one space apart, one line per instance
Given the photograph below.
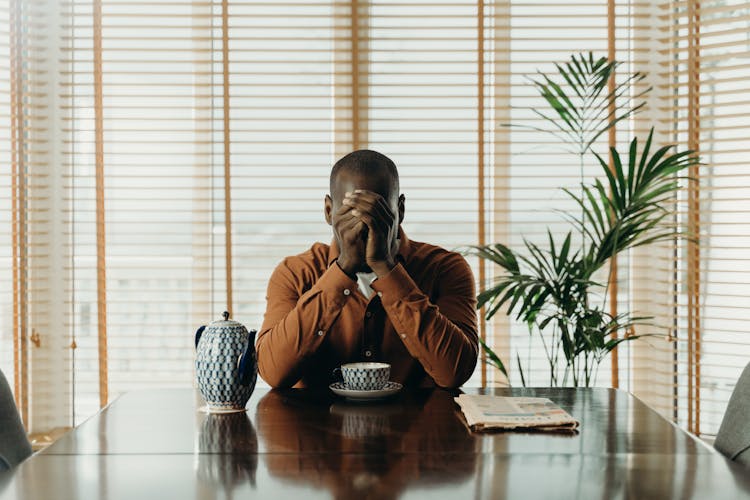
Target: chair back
x=14 y=445
x=733 y=439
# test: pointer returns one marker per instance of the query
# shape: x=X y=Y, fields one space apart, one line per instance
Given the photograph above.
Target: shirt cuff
x=395 y=286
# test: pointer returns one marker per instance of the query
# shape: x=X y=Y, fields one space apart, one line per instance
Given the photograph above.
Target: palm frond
x=580 y=102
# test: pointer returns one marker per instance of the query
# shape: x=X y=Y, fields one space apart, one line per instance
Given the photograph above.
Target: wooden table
x=300 y=444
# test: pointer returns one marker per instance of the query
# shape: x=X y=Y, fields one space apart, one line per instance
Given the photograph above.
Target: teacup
x=359 y=421
x=365 y=376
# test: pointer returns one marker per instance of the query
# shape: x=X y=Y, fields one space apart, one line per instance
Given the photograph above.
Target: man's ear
x=328 y=210
x=401 y=208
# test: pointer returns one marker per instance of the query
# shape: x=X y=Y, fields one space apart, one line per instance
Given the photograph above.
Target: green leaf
x=518 y=294
x=587 y=214
x=566 y=76
x=567 y=344
x=488 y=295
x=611 y=124
x=636 y=178
x=567 y=131
x=600 y=214
x=493 y=359
x=611 y=179
x=545 y=322
x=564 y=253
x=520 y=370
x=571 y=108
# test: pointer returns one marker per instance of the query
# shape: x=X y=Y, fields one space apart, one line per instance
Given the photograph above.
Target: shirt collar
x=404 y=248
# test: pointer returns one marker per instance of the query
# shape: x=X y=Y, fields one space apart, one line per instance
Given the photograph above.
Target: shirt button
x=368 y=353
x=368 y=314
x=347 y=292
x=320 y=333
x=380 y=294
x=403 y=335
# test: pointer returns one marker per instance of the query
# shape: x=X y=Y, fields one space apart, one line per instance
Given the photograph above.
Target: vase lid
x=225 y=321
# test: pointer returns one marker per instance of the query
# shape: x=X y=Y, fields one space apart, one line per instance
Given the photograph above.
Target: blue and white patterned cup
x=365 y=376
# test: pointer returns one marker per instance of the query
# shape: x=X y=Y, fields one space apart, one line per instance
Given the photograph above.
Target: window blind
x=429 y=84
x=290 y=116
x=650 y=361
x=34 y=306
x=177 y=151
x=162 y=163
x=708 y=65
x=7 y=346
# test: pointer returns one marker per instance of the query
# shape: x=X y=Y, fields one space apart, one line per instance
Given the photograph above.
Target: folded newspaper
x=504 y=413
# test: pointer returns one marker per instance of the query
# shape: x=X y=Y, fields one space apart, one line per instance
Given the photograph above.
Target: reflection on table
x=227 y=451
x=381 y=448
x=305 y=444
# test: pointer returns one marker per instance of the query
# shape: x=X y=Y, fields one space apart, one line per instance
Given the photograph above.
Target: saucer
x=340 y=389
x=220 y=411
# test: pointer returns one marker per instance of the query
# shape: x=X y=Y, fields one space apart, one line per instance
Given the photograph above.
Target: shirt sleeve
x=296 y=325
x=442 y=336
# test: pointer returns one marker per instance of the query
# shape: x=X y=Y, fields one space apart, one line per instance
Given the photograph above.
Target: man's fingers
x=351 y=229
x=375 y=225
x=374 y=201
x=343 y=216
x=374 y=221
x=372 y=204
x=343 y=209
x=348 y=224
x=367 y=197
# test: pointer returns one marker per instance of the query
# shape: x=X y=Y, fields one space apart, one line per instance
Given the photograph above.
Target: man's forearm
x=445 y=344
x=295 y=329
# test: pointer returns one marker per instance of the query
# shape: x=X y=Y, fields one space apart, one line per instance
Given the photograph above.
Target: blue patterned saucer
x=390 y=388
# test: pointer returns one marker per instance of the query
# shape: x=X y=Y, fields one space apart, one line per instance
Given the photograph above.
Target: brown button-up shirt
x=422 y=319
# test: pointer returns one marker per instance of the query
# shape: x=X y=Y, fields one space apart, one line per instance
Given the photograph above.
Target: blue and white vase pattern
x=223 y=348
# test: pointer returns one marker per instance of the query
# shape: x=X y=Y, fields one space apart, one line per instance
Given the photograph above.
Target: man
x=372 y=295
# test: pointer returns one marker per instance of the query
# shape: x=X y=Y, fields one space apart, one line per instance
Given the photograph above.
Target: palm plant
x=554 y=290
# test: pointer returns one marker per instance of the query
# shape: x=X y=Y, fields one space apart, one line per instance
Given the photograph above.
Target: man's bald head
x=377 y=169
x=371 y=179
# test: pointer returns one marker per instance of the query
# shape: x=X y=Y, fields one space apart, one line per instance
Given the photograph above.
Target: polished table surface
x=303 y=444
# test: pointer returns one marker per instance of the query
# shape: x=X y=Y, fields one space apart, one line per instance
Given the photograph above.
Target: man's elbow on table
x=273 y=379
x=272 y=374
x=455 y=377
